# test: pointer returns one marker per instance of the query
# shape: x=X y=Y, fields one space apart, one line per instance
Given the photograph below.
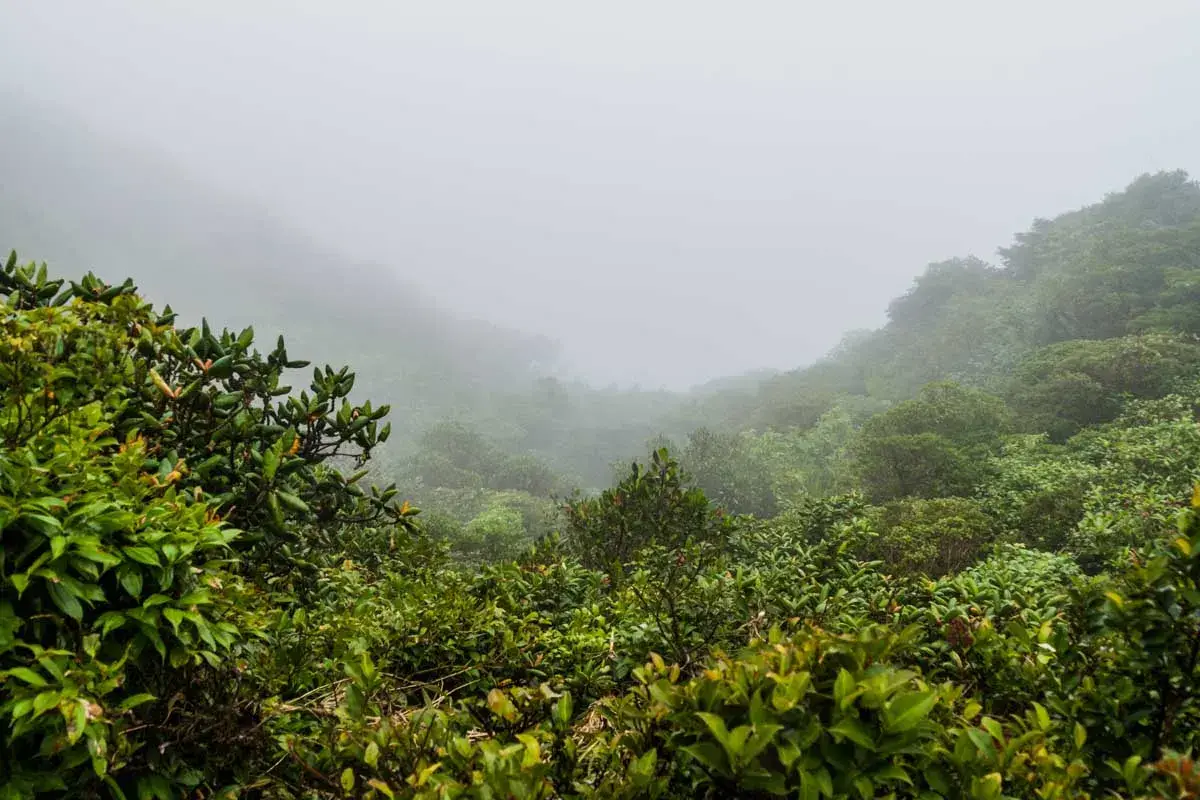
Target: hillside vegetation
x=960 y=557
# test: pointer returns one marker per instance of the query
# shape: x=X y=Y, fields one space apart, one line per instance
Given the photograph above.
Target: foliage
x=454 y=455
x=198 y=600
x=815 y=715
x=725 y=468
x=934 y=445
x=484 y=525
x=652 y=506
x=113 y=572
x=497 y=533
x=813 y=462
x=933 y=537
x=916 y=465
x=105 y=577
x=1037 y=490
x=1139 y=650
x=204 y=402
x=1068 y=386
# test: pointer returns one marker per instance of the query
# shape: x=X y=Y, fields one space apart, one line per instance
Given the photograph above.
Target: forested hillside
x=1083 y=312
x=959 y=557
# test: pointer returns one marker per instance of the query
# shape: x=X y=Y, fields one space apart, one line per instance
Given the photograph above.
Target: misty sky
x=674 y=190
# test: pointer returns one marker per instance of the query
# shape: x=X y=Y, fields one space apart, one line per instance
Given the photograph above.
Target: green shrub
x=1067 y=386
x=113 y=573
x=935 y=445
x=651 y=506
x=131 y=452
x=933 y=537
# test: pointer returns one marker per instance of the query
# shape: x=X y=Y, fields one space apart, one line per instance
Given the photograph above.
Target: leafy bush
x=113 y=572
x=726 y=469
x=130 y=449
x=651 y=506
x=1068 y=386
x=454 y=455
x=933 y=537
x=1037 y=492
x=497 y=533
x=935 y=445
x=816 y=715
x=812 y=462
x=1140 y=642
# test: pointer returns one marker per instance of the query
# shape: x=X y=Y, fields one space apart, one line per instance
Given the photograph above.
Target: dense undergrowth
x=963 y=593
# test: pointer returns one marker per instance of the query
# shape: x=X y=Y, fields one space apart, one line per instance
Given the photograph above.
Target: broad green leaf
x=175 y=617
x=45 y=701
x=994 y=728
x=716 y=725
x=982 y=741
x=293 y=502
x=760 y=737
x=939 y=781
x=708 y=754
x=65 y=600
x=893 y=772
x=131 y=579
x=133 y=701
x=824 y=781
x=855 y=731
x=843 y=688
x=27 y=675
x=1043 y=717
x=533 y=751
x=42 y=523
x=380 y=786
x=644 y=765
x=58 y=546
x=988 y=787
x=143 y=555
x=907 y=711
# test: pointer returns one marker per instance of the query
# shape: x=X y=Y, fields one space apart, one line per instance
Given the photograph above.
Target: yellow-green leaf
x=380 y=786
x=533 y=751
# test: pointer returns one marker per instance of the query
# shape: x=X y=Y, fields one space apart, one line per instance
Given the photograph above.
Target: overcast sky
x=674 y=190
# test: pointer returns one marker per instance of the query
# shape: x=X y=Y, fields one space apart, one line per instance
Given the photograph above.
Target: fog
x=674 y=191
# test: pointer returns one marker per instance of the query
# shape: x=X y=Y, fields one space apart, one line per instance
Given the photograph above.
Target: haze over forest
x=670 y=192
x=569 y=401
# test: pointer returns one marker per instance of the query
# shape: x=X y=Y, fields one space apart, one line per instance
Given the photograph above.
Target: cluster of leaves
x=112 y=571
x=146 y=472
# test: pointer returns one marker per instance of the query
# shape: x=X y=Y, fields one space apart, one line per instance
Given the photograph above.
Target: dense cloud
x=674 y=191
